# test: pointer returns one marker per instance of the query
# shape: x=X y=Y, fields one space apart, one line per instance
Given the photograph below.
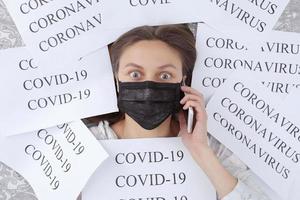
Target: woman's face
x=152 y=60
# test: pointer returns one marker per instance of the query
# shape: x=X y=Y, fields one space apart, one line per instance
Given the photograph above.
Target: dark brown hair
x=178 y=36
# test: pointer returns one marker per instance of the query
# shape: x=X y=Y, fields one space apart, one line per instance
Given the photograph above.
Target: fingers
x=200 y=111
x=190 y=90
x=190 y=97
x=195 y=100
x=192 y=94
x=196 y=105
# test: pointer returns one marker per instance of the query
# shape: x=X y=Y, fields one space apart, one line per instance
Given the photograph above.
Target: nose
x=150 y=77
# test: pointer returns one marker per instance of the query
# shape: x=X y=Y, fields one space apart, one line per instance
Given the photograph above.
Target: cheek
x=179 y=79
x=179 y=74
x=121 y=76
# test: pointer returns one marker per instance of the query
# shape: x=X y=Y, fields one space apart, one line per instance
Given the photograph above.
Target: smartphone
x=190 y=120
x=190 y=117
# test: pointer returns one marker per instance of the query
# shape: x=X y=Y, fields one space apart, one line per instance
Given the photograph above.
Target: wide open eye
x=165 y=76
x=135 y=75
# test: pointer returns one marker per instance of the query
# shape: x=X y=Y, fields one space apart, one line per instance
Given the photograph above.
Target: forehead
x=150 y=53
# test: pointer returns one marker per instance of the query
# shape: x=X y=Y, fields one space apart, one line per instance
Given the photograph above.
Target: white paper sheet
x=158 y=169
x=279 y=43
x=251 y=16
x=152 y=12
x=245 y=116
x=57 y=162
x=292 y=112
x=219 y=55
x=52 y=28
x=38 y=97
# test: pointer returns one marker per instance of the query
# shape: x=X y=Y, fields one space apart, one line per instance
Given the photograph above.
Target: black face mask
x=149 y=103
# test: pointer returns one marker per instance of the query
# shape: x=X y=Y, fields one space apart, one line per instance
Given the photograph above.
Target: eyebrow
x=161 y=67
x=167 y=66
x=133 y=65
